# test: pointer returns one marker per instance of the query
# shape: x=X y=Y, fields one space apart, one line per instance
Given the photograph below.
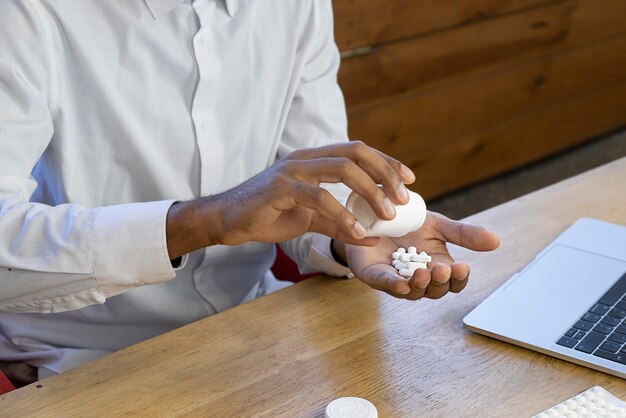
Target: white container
x=351 y=407
x=409 y=217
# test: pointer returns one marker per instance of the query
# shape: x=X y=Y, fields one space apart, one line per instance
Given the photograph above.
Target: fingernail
x=408 y=173
x=389 y=208
x=359 y=231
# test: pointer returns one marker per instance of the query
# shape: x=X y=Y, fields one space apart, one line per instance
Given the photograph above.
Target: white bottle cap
x=409 y=217
x=351 y=408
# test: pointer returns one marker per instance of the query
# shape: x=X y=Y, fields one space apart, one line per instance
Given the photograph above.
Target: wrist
x=209 y=221
x=192 y=225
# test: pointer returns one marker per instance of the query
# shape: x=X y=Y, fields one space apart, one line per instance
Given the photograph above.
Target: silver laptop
x=569 y=302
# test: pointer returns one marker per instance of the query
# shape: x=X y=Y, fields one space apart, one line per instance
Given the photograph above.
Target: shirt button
x=205 y=127
x=202 y=40
x=45 y=307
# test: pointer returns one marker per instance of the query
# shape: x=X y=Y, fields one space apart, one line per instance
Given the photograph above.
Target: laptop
x=569 y=302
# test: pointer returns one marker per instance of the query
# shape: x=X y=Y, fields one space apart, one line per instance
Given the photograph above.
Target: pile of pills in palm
x=407 y=260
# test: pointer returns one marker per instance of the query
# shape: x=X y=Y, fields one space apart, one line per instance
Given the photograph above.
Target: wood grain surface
x=290 y=353
x=481 y=98
x=441 y=58
x=371 y=22
x=505 y=145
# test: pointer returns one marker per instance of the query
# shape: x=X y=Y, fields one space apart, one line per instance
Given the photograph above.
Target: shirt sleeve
x=317 y=117
x=57 y=258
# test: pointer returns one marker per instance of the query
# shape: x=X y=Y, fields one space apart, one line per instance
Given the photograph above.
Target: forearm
x=64 y=257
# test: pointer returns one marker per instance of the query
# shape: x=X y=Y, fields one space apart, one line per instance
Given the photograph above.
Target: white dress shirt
x=112 y=110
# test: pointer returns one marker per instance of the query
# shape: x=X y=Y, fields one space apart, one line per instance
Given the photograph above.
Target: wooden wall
x=461 y=90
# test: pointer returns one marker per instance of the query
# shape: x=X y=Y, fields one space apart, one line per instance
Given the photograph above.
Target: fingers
x=419 y=284
x=381 y=168
x=440 y=281
x=322 y=202
x=459 y=277
x=467 y=235
x=335 y=170
x=384 y=171
x=386 y=279
x=432 y=284
x=329 y=228
x=443 y=276
x=406 y=174
x=436 y=283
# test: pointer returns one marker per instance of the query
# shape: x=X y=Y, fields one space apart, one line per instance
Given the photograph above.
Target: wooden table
x=290 y=353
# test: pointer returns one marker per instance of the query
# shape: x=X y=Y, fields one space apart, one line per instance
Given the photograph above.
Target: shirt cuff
x=321 y=258
x=130 y=246
x=183 y=263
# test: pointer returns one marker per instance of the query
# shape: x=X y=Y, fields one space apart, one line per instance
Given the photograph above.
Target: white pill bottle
x=409 y=217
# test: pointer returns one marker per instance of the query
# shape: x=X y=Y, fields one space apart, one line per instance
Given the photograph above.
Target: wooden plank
x=518 y=142
x=417 y=64
x=427 y=121
x=369 y=22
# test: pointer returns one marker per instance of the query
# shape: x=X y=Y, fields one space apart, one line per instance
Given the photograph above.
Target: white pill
x=571 y=414
x=416 y=266
x=590 y=415
x=400 y=266
x=406 y=273
x=609 y=406
x=581 y=410
x=610 y=415
x=421 y=258
x=395 y=255
x=601 y=411
x=395 y=262
x=412 y=250
x=571 y=404
x=552 y=413
x=542 y=415
x=401 y=250
x=405 y=258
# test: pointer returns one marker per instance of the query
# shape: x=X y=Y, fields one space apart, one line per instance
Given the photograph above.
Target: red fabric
x=5 y=384
x=285 y=269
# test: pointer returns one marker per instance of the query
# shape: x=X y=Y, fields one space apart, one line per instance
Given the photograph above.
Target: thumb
x=466 y=235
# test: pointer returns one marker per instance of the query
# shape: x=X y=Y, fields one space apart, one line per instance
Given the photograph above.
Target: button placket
x=208 y=60
x=209 y=55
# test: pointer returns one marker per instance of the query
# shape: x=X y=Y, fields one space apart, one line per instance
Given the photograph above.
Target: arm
x=318 y=117
x=63 y=257
x=67 y=256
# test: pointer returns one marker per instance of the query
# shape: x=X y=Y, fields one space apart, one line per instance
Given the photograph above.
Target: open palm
x=372 y=264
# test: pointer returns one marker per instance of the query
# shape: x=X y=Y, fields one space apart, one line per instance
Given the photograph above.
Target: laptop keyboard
x=601 y=331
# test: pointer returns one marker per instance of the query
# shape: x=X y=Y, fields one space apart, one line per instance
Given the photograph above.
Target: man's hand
x=373 y=264
x=286 y=200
